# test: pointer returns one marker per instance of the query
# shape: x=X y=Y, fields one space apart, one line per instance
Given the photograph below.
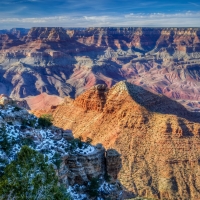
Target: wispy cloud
x=187 y=19
x=194 y=4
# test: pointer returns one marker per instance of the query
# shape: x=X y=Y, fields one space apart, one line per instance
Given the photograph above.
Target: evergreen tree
x=5 y=147
x=93 y=187
x=30 y=177
x=5 y=144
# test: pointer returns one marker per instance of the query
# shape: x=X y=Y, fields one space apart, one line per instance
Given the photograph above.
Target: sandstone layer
x=66 y=62
x=159 y=140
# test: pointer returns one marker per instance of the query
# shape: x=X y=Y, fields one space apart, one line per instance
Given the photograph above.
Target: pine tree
x=30 y=177
x=5 y=147
x=5 y=144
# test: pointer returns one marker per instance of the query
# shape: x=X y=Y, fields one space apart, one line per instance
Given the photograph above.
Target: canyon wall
x=66 y=62
x=158 y=139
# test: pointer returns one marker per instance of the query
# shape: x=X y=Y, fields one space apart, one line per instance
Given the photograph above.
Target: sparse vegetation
x=93 y=187
x=107 y=177
x=56 y=160
x=5 y=143
x=88 y=140
x=45 y=120
x=28 y=122
x=28 y=142
x=30 y=177
x=77 y=142
x=16 y=108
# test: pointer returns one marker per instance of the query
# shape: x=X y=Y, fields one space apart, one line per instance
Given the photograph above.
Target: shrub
x=107 y=177
x=93 y=187
x=88 y=140
x=30 y=177
x=5 y=144
x=75 y=143
x=23 y=127
x=28 y=142
x=16 y=108
x=45 y=120
x=30 y=122
x=57 y=160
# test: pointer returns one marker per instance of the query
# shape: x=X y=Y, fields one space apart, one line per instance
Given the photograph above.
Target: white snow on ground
x=74 y=195
x=43 y=139
x=85 y=150
x=106 y=187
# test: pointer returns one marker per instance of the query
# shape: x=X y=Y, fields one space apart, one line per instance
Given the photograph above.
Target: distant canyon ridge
x=67 y=61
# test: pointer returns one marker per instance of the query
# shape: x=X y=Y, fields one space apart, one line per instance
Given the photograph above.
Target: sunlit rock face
x=158 y=139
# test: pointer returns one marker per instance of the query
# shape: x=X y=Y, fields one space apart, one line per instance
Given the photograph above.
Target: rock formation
x=76 y=163
x=158 y=139
x=66 y=62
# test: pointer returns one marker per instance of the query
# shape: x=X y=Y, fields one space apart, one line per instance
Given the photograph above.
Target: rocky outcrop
x=78 y=164
x=157 y=138
x=98 y=101
x=113 y=163
x=4 y=100
x=83 y=167
x=48 y=34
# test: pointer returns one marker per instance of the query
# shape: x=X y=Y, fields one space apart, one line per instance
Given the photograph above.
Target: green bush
x=30 y=177
x=28 y=142
x=16 y=108
x=107 y=177
x=93 y=187
x=30 y=122
x=5 y=143
x=77 y=142
x=57 y=160
x=45 y=120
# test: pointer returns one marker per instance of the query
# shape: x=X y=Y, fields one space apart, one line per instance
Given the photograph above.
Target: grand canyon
x=66 y=62
x=135 y=91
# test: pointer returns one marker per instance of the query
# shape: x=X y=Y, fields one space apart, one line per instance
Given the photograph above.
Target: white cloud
x=187 y=19
x=194 y=4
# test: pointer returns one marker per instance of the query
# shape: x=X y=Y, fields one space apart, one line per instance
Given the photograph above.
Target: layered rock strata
x=68 y=62
x=158 y=139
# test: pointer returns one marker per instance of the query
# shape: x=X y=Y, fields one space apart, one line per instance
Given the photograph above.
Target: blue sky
x=84 y=13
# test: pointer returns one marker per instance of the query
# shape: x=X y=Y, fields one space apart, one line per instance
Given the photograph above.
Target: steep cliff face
x=157 y=138
x=76 y=163
x=47 y=34
x=144 y=39
x=68 y=62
